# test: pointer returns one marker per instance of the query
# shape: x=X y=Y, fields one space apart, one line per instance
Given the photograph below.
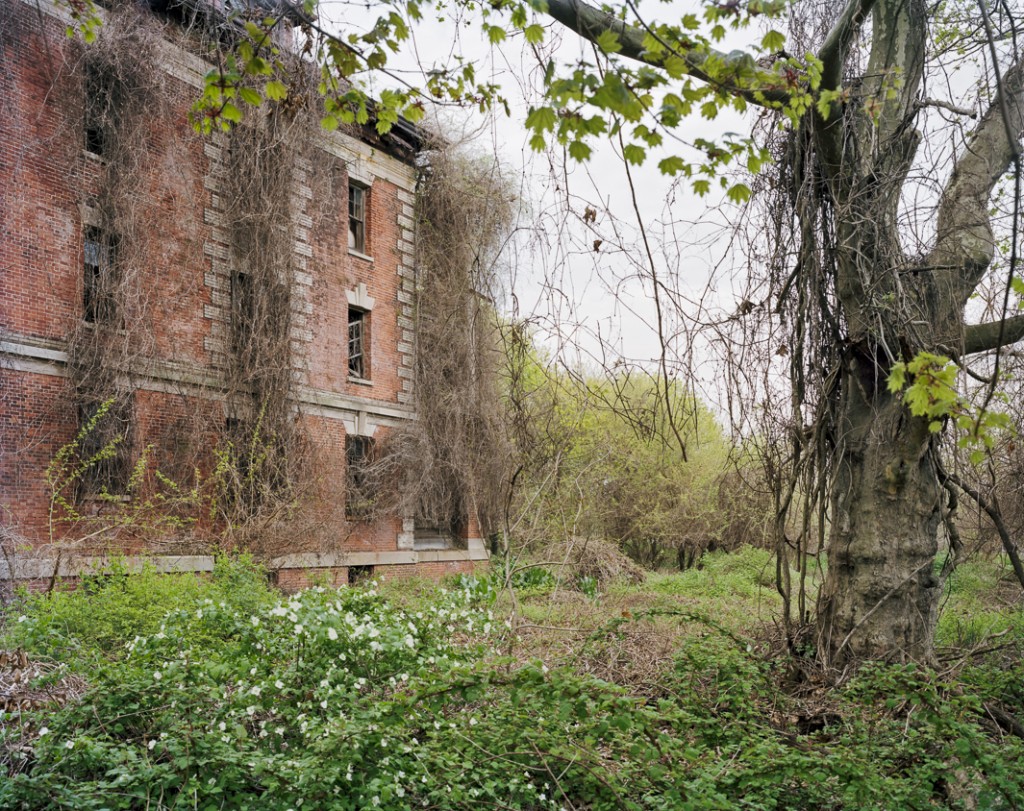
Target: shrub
x=342 y=700
x=92 y=623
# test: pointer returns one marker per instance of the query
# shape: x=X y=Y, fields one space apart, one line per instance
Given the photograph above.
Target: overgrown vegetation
x=454 y=461
x=220 y=693
x=601 y=462
x=264 y=465
x=111 y=90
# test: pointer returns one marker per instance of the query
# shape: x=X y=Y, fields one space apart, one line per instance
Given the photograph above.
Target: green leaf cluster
x=928 y=386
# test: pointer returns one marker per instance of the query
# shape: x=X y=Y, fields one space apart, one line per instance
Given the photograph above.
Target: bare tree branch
x=740 y=76
x=833 y=55
x=986 y=337
x=837 y=45
x=965 y=242
x=991 y=508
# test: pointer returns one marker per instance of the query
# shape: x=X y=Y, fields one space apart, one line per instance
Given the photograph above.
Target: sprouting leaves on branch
x=640 y=82
x=929 y=390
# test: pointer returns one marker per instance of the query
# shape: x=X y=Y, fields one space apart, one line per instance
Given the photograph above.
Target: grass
x=983 y=600
x=219 y=693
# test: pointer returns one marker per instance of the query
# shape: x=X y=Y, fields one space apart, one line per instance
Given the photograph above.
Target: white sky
x=592 y=304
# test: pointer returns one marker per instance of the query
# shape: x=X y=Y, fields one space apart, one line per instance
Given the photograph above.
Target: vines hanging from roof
x=452 y=461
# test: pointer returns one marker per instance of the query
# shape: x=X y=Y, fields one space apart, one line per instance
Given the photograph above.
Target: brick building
x=204 y=340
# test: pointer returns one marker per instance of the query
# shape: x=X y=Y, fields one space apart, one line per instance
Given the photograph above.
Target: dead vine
x=452 y=462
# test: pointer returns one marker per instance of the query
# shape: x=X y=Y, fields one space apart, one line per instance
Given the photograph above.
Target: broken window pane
x=100 y=278
x=357 y=218
x=357 y=335
x=105 y=446
x=360 y=491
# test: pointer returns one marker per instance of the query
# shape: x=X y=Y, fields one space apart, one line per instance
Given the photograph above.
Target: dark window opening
x=357 y=197
x=360 y=491
x=358 y=335
x=94 y=139
x=101 y=279
x=98 y=98
x=256 y=473
x=243 y=307
x=104 y=447
x=433 y=533
x=358 y=575
x=239 y=435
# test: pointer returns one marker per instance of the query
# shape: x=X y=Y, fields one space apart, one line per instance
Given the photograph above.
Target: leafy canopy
x=637 y=87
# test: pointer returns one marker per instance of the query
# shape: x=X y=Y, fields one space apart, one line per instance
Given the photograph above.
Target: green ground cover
x=667 y=694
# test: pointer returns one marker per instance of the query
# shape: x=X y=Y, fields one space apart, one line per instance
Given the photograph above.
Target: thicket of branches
x=454 y=460
x=110 y=91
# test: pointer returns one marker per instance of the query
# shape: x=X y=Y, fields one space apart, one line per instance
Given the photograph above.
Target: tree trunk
x=881 y=592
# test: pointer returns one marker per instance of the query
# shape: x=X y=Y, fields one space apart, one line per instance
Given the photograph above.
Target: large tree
x=852 y=109
x=893 y=308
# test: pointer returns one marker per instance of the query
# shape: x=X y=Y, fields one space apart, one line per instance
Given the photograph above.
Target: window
x=358 y=343
x=239 y=437
x=99 y=267
x=98 y=93
x=359 y=490
x=243 y=308
x=104 y=446
x=357 y=575
x=94 y=138
x=357 y=197
x=253 y=470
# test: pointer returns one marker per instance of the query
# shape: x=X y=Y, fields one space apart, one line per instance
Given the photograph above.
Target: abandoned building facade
x=205 y=339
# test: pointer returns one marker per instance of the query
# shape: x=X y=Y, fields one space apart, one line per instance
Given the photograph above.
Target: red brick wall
x=45 y=177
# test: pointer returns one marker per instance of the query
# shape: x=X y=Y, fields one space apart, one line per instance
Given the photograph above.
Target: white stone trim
x=24 y=354
x=37 y=568
x=333 y=560
x=44 y=568
x=360 y=298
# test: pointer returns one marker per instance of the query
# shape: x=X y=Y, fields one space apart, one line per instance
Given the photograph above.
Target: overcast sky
x=593 y=303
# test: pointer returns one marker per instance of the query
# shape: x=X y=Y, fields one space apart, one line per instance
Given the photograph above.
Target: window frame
x=359 y=454
x=243 y=308
x=99 y=305
x=358 y=219
x=108 y=478
x=95 y=135
x=358 y=362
